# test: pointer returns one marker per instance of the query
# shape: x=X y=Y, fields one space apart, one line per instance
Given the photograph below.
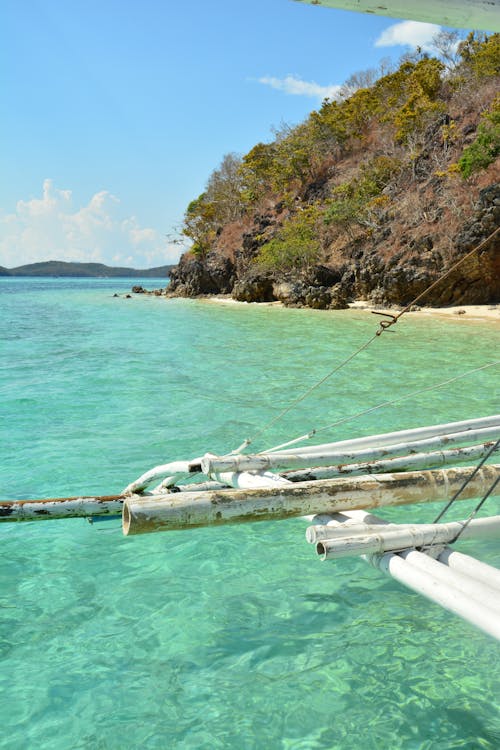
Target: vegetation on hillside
x=356 y=162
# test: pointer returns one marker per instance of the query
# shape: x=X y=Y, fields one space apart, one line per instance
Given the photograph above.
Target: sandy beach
x=464 y=312
x=467 y=312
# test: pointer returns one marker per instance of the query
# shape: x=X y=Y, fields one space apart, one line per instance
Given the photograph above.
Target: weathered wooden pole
x=142 y=515
x=82 y=506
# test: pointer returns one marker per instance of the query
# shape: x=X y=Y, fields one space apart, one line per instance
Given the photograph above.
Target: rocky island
x=372 y=197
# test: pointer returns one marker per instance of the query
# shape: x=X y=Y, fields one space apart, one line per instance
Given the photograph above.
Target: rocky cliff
x=373 y=198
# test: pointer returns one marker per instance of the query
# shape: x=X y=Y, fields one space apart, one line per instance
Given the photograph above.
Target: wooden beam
x=142 y=515
x=81 y=506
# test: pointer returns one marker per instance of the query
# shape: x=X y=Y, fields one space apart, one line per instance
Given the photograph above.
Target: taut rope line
x=383 y=326
x=406 y=396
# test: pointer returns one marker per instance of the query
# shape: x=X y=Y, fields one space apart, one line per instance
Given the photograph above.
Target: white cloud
x=52 y=228
x=409 y=34
x=298 y=87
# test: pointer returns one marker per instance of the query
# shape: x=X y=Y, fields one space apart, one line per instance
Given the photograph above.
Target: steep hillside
x=372 y=197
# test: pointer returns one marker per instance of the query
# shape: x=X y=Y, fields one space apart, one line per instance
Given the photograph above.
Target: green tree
x=360 y=202
x=256 y=171
x=297 y=246
x=480 y=53
x=221 y=203
x=486 y=147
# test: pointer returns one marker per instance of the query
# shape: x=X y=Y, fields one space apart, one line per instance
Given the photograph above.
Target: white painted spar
x=430 y=460
x=480 y=591
x=366 y=540
x=457 y=582
x=470 y=566
x=169 y=473
x=211 y=464
x=324 y=524
x=432 y=587
x=388 y=438
x=247 y=480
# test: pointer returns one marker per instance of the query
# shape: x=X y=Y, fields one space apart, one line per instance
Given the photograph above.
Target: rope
x=476 y=509
x=352 y=417
x=384 y=325
x=310 y=390
x=464 y=485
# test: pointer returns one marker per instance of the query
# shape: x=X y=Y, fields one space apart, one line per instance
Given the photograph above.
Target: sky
x=115 y=112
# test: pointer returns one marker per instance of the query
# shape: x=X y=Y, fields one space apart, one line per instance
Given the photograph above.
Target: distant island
x=57 y=268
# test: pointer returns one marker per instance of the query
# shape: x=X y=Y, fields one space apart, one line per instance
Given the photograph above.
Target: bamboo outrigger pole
x=82 y=506
x=143 y=515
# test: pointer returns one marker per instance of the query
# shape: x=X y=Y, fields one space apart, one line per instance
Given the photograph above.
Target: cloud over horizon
x=52 y=228
x=297 y=87
x=409 y=34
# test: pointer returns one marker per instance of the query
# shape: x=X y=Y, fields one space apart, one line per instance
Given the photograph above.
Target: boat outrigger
x=334 y=485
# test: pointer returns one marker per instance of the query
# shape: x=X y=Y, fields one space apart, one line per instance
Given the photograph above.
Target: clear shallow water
x=234 y=637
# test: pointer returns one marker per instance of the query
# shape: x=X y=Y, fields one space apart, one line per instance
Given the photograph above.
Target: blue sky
x=115 y=112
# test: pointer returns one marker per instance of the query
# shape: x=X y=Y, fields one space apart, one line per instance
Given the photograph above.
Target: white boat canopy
x=460 y=14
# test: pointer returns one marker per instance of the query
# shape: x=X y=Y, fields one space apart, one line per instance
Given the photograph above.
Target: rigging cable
x=464 y=485
x=371 y=409
x=384 y=325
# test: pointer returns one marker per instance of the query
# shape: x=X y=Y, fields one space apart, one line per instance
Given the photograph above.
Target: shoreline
x=464 y=312
x=456 y=312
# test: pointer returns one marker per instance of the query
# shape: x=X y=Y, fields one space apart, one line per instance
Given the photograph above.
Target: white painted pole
x=477 y=580
x=172 y=472
x=481 y=592
x=414 y=462
x=211 y=464
x=176 y=469
x=161 y=489
x=434 y=589
x=366 y=540
x=143 y=515
x=390 y=438
x=470 y=566
x=323 y=525
x=246 y=480
x=64 y=507
x=345 y=518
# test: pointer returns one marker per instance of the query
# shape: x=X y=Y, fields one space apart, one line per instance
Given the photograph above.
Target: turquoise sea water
x=233 y=637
